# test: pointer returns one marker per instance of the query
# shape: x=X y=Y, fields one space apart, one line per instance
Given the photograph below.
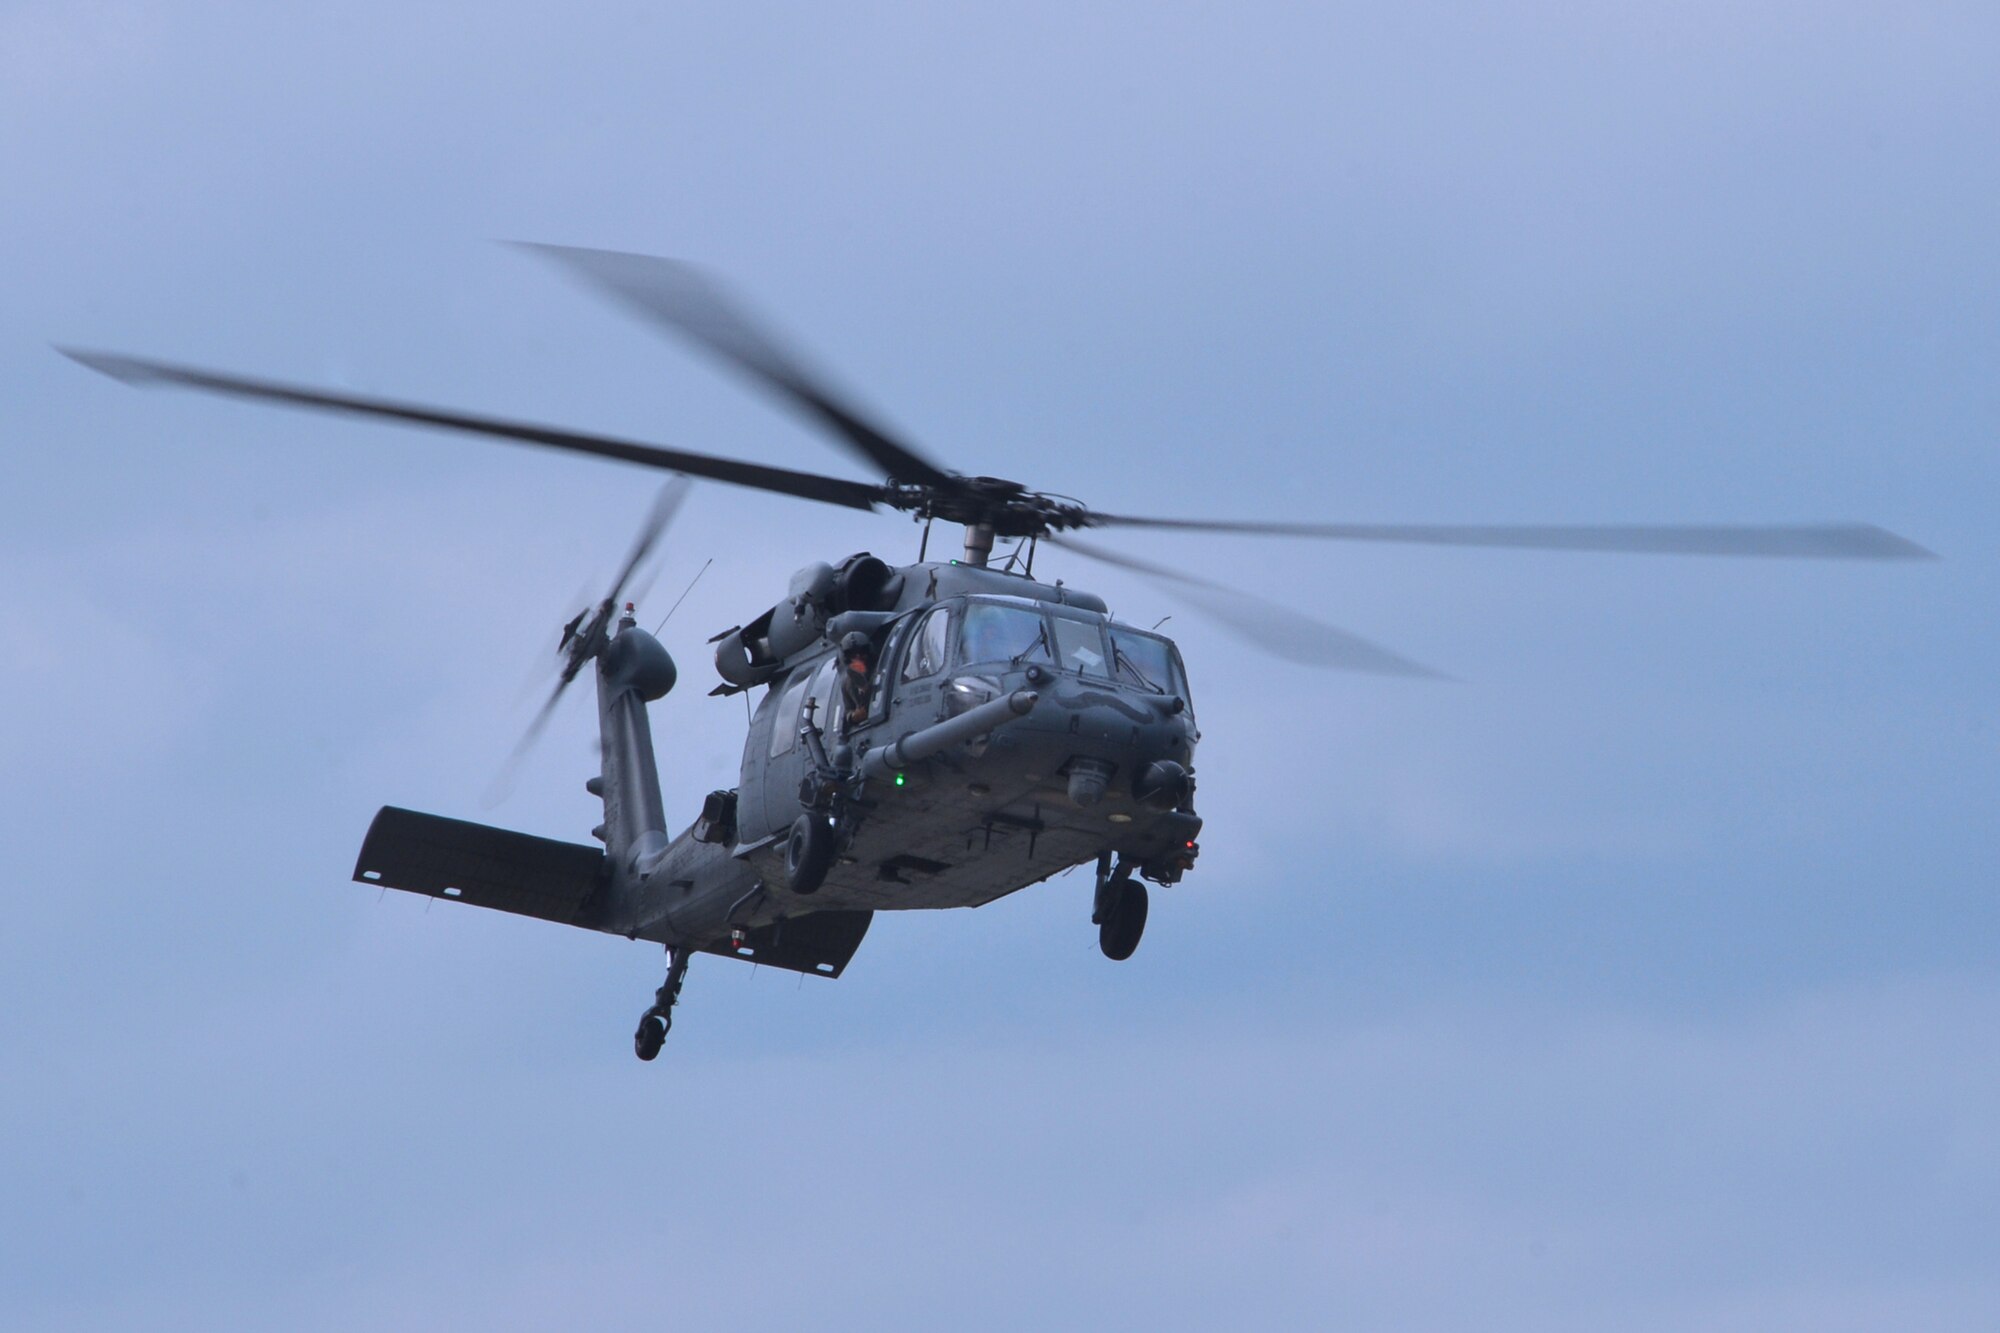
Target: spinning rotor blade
x=665 y=507
x=1813 y=541
x=1278 y=630
x=682 y=298
x=585 y=636
x=502 y=785
x=756 y=476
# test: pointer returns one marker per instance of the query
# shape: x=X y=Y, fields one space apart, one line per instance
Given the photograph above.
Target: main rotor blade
x=756 y=476
x=1276 y=629
x=1816 y=541
x=682 y=298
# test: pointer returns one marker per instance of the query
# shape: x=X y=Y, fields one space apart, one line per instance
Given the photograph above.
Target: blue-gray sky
x=1646 y=979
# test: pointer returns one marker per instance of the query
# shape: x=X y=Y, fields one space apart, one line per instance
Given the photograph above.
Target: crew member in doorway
x=857 y=665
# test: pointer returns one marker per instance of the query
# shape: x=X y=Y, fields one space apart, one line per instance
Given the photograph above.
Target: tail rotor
x=589 y=631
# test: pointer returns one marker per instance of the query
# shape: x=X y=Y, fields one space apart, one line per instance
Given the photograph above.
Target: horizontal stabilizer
x=819 y=943
x=487 y=867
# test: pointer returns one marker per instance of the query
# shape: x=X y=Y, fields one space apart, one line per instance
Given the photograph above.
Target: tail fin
x=632 y=671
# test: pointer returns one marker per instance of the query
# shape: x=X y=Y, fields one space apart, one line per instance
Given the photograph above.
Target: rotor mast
x=978 y=543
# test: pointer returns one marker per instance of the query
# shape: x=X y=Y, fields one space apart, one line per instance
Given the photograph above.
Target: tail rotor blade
x=502 y=785
x=644 y=588
x=584 y=637
x=665 y=507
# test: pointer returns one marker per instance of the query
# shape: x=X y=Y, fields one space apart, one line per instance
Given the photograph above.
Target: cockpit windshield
x=994 y=632
x=1145 y=660
x=1015 y=632
x=1080 y=646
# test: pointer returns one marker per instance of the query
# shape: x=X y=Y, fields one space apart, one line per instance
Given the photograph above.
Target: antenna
x=684 y=594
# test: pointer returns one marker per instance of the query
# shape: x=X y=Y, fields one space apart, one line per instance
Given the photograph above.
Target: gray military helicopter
x=931 y=735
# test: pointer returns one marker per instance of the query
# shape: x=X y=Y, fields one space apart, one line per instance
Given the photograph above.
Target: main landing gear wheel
x=1118 y=933
x=652 y=1032
x=808 y=853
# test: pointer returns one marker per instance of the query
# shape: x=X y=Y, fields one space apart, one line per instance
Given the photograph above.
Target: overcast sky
x=1644 y=978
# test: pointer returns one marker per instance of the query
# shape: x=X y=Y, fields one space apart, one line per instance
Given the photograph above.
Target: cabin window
x=885 y=660
x=1080 y=647
x=826 y=691
x=785 y=722
x=994 y=633
x=926 y=653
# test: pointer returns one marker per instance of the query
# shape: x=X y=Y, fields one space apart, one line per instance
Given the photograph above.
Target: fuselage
x=1095 y=767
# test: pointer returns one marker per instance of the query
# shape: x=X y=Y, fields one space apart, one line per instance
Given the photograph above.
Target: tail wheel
x=1118 y=934
x=808 y=853
x=647 y=1040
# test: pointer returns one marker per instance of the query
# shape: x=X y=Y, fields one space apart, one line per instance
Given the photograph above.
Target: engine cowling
x=755 y=652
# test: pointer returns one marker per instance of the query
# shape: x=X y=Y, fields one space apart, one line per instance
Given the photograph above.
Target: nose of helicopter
x=1117 y=752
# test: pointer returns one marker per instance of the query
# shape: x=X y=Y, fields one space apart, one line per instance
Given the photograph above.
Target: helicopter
x=932 y=735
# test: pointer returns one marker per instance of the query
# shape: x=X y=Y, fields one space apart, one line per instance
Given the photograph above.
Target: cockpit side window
x=1180 y=678
x=993 y=633
x=926 y=653
x=1080 y=646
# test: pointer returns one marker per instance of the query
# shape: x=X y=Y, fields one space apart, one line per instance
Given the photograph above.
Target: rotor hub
x=1006 y=508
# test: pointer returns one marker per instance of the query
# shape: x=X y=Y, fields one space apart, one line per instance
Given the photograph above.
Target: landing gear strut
x=1120 y=909
x=653 y=1024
